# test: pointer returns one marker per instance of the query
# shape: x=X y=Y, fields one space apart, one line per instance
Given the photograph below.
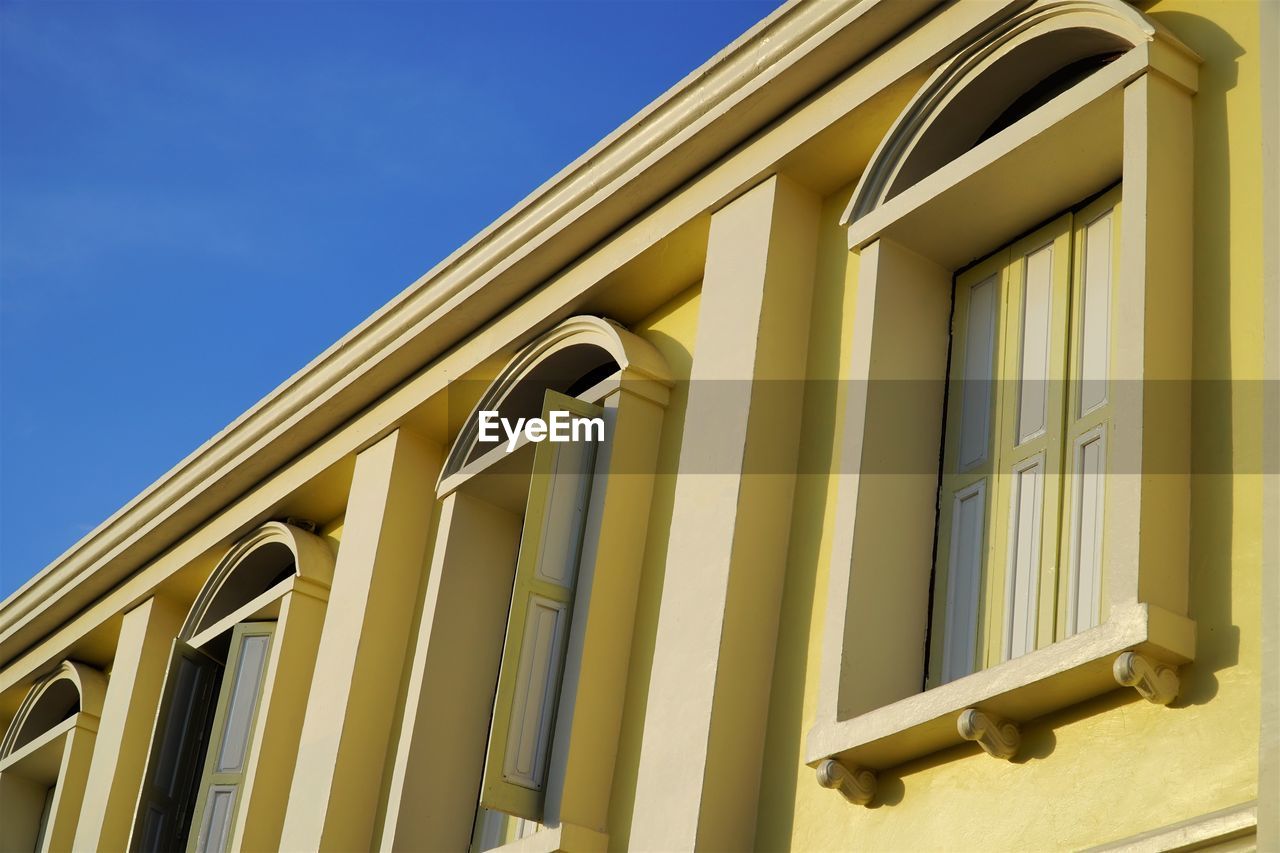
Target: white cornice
x=750 y=83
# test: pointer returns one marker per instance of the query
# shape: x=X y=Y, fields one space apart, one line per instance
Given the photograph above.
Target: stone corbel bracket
x=1156 y=682
x=996 y=736
x=858 y=786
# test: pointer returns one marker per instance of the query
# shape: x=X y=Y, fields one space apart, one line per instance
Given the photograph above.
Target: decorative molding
x=858 y=786
x=635 y=357
x=997 y=737
x=90 y=686
x=312 y=561
x=1157 y=682
x=883 y=177
x=1207 y=831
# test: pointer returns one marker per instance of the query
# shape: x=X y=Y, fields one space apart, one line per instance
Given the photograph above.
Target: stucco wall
x=672 y=330
x=1115 y=766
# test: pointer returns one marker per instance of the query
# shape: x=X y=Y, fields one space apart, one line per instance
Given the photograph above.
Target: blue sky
x=196 y=198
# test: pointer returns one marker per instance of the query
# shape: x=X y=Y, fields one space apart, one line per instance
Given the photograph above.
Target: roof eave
x=771 y=67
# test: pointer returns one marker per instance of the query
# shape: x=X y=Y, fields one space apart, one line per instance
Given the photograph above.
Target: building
x=936 y=507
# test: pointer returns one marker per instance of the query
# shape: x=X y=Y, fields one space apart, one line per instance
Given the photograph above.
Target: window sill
x=1022 y=689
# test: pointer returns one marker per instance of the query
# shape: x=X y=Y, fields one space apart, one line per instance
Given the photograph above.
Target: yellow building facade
x=935 y=503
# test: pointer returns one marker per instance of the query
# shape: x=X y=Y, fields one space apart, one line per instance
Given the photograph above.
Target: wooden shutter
x=182 y=729
x=1021 y=594
x=232 y=737
x=1022 y=502
x=968 y=463
x=538 y=625
x=1088 y=417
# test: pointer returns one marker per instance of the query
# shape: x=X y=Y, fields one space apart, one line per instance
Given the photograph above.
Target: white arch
x=48 y=703
x=584 y=343
x=992 y=71
x=312 y=560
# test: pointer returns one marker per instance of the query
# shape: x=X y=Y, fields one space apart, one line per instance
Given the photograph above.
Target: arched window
x=44 y=758
x=255 y=621
x=1032 y=200
x=518 y=586
x=1021 y=65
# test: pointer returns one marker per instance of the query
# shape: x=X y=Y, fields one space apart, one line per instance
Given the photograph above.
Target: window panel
x=1081 y=584
x=533 y=656
x=963 y=546
x=532 y=707
x=215 y=831
x=1037 y=313
x=965 y=573
x=1023 y=571
x=244 y=700
x=980 y=337
x=1095 y=335
x=1084 y=598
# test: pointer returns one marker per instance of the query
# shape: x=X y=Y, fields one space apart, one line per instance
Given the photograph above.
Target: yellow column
x=439 y=757
x=124 y=733
x=350 y=710
x=708 y=696
x=68 y=793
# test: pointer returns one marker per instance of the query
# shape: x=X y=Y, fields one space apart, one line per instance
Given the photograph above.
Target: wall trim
x=1229 y=824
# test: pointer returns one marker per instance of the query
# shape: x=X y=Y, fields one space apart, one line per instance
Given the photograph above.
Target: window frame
x=473 y=531
x=1128 y=122
x=1006 y=452
x=295 y=605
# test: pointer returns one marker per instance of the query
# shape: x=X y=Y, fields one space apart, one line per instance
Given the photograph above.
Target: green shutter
x=232 y=737
x=538 y=625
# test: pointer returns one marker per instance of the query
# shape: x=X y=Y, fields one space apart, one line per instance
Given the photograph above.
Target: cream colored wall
x=672 y=330
x=1115 y=766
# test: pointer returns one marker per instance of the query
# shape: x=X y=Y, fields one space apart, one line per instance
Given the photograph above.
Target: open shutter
x=538 y=625
x=969 y=463
x=1089 y=414
x=182 y=729
x=1021 y=595
x=232 y=738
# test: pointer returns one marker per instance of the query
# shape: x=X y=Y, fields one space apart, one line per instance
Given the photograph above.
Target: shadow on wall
x=671 y=331
x=802 y=613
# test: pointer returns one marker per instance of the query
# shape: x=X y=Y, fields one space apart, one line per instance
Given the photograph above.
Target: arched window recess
x=239 y=672
x=541 y=549
x=44 y=758
x=588 y=358
x=256 y=573
x=1037 y=103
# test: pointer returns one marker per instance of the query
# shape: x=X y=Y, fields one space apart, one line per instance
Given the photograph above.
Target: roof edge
x=804 y=42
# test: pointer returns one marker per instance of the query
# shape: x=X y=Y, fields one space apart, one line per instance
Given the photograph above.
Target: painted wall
x=672 y=330
x=1118 y=765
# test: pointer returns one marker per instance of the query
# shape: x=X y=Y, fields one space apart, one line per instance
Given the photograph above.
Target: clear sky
x=196 y=198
